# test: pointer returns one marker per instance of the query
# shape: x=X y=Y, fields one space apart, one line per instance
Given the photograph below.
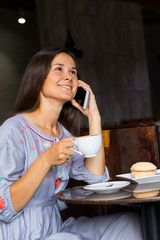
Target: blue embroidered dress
x=20 y=144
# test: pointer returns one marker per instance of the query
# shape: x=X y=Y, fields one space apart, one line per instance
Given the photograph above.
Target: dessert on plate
x=143 y=169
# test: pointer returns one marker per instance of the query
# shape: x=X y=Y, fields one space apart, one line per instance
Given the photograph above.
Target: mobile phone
x=82 y=97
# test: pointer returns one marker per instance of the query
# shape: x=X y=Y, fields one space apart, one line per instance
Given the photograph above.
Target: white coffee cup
x=88 y=145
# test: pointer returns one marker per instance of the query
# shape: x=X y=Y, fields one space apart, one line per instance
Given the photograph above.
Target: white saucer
x=107 y=187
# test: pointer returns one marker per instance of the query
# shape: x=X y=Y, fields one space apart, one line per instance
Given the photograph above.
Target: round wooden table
x=149 y=205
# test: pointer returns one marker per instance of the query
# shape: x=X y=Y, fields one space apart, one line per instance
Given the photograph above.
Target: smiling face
x=62 y=81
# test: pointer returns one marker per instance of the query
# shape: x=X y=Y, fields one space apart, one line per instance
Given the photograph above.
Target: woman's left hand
x=92 y=108
x=96 y=164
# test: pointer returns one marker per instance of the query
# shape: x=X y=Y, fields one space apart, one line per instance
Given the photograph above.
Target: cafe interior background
x=117 y=43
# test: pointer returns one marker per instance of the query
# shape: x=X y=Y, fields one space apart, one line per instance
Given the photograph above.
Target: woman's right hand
x=24 y=188
x=60 y=152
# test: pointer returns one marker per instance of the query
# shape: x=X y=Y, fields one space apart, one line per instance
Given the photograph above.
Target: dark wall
x=17 y=44
x=118 y=96
x=152 y=39
x=111 y=35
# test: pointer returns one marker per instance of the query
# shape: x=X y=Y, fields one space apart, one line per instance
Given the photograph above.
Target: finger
x=64 y=158
x=66 y=139
x=82 y=82
x=65 y=143
x=77 y=105
x=68 y=157
x=68 y=144
x=69 y=151
x=84 y=85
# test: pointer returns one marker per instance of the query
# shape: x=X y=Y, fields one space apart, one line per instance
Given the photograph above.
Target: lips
x=66 y=86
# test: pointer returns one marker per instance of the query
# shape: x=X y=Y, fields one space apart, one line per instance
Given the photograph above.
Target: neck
x=45 y=118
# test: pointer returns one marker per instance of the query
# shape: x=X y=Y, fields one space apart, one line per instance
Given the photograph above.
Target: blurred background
x=117 y=43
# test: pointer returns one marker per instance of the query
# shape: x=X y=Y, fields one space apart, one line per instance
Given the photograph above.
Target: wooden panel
x=128 y=148
x=131 y=145
x=148 y=144
x=124 y=150
x=113 y=160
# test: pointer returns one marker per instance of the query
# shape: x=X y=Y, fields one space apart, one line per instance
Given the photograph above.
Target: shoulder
x=13 y=122
x=11 y=127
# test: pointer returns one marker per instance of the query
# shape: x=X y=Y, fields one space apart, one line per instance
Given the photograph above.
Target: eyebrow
x=60 y=64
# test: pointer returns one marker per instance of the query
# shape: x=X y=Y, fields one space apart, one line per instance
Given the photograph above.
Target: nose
x=67 y=76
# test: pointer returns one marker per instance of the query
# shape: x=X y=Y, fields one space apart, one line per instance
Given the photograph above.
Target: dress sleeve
x=80 y=172
x=11 y=168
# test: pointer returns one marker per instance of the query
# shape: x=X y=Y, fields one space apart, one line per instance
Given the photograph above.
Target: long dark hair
x=28 y=98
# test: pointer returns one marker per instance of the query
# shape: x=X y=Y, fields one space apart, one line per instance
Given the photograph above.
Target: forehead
x=63 y=58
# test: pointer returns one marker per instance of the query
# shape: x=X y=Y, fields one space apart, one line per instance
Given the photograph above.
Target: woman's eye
x=58 y=69
x=73 y=72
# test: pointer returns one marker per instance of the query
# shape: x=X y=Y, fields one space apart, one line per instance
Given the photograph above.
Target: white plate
x=142 y=180
x=107 y=187
x=110 y=196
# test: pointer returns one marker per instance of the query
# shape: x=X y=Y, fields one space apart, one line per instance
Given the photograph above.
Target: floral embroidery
x=48 y=176
x=36 y=140
x=39 y=135
x=57 y=182
x=33 y=147
x=22 y=141
x=26 y=126
x=2 y=204
x=59 y=192
x=22 y=131
x=69 y=164
x=41 y=151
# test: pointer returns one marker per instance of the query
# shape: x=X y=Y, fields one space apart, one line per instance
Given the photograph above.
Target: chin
x=67 y=100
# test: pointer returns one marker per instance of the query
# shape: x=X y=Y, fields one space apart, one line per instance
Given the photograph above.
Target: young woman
x=37 y=159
